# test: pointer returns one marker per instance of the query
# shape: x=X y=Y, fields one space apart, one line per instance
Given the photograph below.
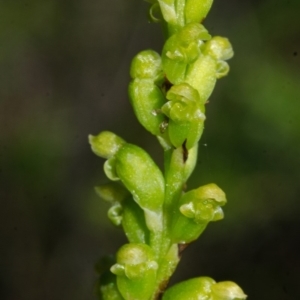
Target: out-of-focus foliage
x=64 y=71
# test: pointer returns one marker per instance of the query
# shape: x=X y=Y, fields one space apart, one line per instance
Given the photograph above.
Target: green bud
x=182 y=49
x=218 y=48
x=201 y=75
x=136 y=271
x=146 y=65
x=147 y=99
x=196 y=10
x=193 y=289
x=145 y=95
x=186 y=115
x=227 y=290
x=105 y=144
x=210 y=66
x=141 y=176
x=196 y=209
x=133 y=222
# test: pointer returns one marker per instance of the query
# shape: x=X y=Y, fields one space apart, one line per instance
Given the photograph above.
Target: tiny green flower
x=227 y=290
x=196 y=209
x=105 y=144
x=193 y=289
x=182 y=49
x=145 y=94
x=168 y=94
x=196 y=10
x=186 y=115
x=136 y=271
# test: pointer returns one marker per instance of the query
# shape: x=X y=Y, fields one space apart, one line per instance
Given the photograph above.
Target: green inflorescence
x=168 y=93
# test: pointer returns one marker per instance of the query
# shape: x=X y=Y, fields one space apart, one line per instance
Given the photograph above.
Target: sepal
x=136 y=271
x=227 y=290
x=196 y=10
x=105 y=144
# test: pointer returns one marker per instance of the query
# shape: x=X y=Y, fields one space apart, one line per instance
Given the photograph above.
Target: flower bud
x=146 y=65
x=136 y=271
x=218 y=48
x=182 y=49
x=210 y=66
x=141 y=176
x=192 y=289
x=196 y=209
x=144 y=92
x=105 y=144
x=196 y=10
x=146 y=99
x=227 y=290
x=201 y=75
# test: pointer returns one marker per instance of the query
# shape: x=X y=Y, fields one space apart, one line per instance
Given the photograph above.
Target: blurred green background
x=64 y=74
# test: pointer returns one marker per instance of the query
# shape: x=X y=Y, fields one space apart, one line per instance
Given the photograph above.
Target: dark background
x=64 y=74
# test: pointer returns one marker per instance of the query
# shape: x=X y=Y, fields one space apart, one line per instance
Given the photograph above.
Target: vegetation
x=159 y=216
